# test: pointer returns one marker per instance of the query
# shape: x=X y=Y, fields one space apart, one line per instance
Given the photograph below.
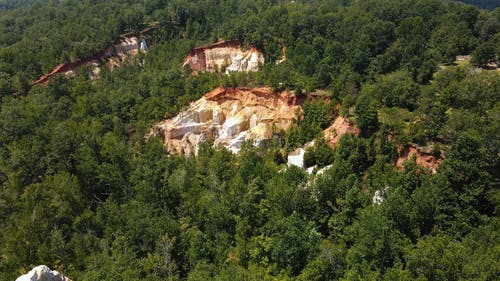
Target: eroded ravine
x=228 y=117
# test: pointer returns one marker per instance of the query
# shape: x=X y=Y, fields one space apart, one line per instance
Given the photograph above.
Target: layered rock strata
x=228 y=117
x=224 y=56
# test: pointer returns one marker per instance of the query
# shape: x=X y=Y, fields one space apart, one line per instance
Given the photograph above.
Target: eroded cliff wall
x=113 y=56
x=223 y=56
x=228 y=117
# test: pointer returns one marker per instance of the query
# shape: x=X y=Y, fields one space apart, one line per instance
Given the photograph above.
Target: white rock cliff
x=224 y=56
x=42 y=273
x=228 y=117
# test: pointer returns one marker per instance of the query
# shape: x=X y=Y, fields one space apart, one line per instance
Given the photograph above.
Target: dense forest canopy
x=83 y=190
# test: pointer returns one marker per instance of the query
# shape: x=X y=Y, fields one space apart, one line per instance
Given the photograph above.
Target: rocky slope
x=339 y=127
x=127 y=47
x=228 y=117
x=42 y=273
x=332 y=135
x=424 y=157
x=223 y=56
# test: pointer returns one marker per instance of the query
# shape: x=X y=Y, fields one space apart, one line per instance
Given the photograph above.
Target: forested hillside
x=85 y=192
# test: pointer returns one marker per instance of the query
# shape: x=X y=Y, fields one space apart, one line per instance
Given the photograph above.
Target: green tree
x=367 y=114
x=484 y=54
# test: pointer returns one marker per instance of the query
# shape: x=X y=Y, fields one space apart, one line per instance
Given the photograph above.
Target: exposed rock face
x=42 y=273
x=340 y=127
x=332 y=135
x=224 y=54
x=228 y=117
x=423 y=157
x=127 y=47
x=296 y=157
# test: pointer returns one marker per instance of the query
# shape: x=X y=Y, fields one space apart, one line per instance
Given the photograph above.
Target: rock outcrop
x=127 y=47
x=228 y=117
x=228 y=55
x=296 y=157
x=339 y=127
x=424 y=157
x=332 y=135
x=379 y=195
x=42 y=273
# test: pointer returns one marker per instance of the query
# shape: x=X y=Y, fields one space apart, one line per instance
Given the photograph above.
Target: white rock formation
x=379 y=196
x=42 y=273
x=296 y=157
x=310 y=170
x=228 y=55
x=313 y=176
x=128 y=46
x=228 y=117
x=144 y=45
x=323 y=170
x=245 y=61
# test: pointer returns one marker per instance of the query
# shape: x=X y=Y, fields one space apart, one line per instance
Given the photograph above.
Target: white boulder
x=296 y=158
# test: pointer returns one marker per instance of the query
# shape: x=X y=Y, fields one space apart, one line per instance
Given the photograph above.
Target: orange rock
x=229 y=117
x=340 y=127
x=126 y=47
x=423 y=157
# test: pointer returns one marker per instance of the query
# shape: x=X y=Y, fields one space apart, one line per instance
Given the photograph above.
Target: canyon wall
x=224 y=56
x=228 y=117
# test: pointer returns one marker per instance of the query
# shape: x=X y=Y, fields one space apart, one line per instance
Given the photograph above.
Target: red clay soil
x=422 y=157
x=222 y=94
x=340 y=127
x=107 y=52
x=65 y=67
